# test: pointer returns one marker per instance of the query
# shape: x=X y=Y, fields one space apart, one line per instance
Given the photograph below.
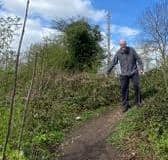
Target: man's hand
x=142 y=72
x=106 y=75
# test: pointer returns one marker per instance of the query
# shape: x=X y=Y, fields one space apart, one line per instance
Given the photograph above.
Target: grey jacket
x=128 y=61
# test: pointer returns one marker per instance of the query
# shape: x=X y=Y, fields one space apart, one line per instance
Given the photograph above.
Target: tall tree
x=83 y=44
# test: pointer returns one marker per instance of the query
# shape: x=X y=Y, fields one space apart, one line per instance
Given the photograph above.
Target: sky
x=124 y=16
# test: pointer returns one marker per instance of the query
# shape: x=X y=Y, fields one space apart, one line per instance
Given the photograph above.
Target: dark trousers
x=125 y=80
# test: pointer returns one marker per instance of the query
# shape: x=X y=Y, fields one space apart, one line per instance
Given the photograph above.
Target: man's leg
x=125 y=92
x=136 y=84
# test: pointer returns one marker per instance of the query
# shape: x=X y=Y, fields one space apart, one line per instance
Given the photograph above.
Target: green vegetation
x=145 y=130
x=82 y=42
x=67 y=92
x=58 y=96
x=53 y=111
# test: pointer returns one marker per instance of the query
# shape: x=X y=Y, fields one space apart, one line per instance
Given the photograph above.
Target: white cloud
x=56 y=8
x=42 y=10
x=124 y=31
x=34 y=33
x=118 y=32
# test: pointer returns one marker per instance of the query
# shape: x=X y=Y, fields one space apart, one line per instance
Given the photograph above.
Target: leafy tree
x=83 y=44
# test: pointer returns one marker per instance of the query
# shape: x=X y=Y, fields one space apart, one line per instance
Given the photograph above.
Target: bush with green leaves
x=53 y=112
x=54 y=108
x=15 y=155
x=76 y=49
x=83 y=44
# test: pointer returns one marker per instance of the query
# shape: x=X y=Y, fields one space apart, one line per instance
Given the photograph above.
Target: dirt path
x=89 y=141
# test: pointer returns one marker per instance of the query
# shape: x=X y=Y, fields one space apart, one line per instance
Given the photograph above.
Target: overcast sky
x=42 y=12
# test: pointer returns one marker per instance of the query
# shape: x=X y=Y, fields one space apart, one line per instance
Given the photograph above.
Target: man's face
x=123 y=44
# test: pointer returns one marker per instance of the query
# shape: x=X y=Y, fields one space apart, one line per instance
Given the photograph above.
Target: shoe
x=139 y=105
x=125 y=109
x=129 y=106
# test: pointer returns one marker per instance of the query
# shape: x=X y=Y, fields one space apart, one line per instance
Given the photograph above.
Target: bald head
x=122 y=43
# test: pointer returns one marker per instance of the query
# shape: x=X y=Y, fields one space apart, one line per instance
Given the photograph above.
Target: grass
x=129 y=133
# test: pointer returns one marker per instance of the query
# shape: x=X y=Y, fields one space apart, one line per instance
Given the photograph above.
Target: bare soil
x=88 y=142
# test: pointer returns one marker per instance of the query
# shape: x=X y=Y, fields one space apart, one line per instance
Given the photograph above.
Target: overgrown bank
x=65 y=102
x=144 y=132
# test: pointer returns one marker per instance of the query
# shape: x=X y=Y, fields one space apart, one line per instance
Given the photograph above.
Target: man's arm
x=113 y=63
x=139 y=60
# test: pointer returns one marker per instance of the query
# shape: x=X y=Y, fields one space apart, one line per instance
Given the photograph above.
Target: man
x=128 y=59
